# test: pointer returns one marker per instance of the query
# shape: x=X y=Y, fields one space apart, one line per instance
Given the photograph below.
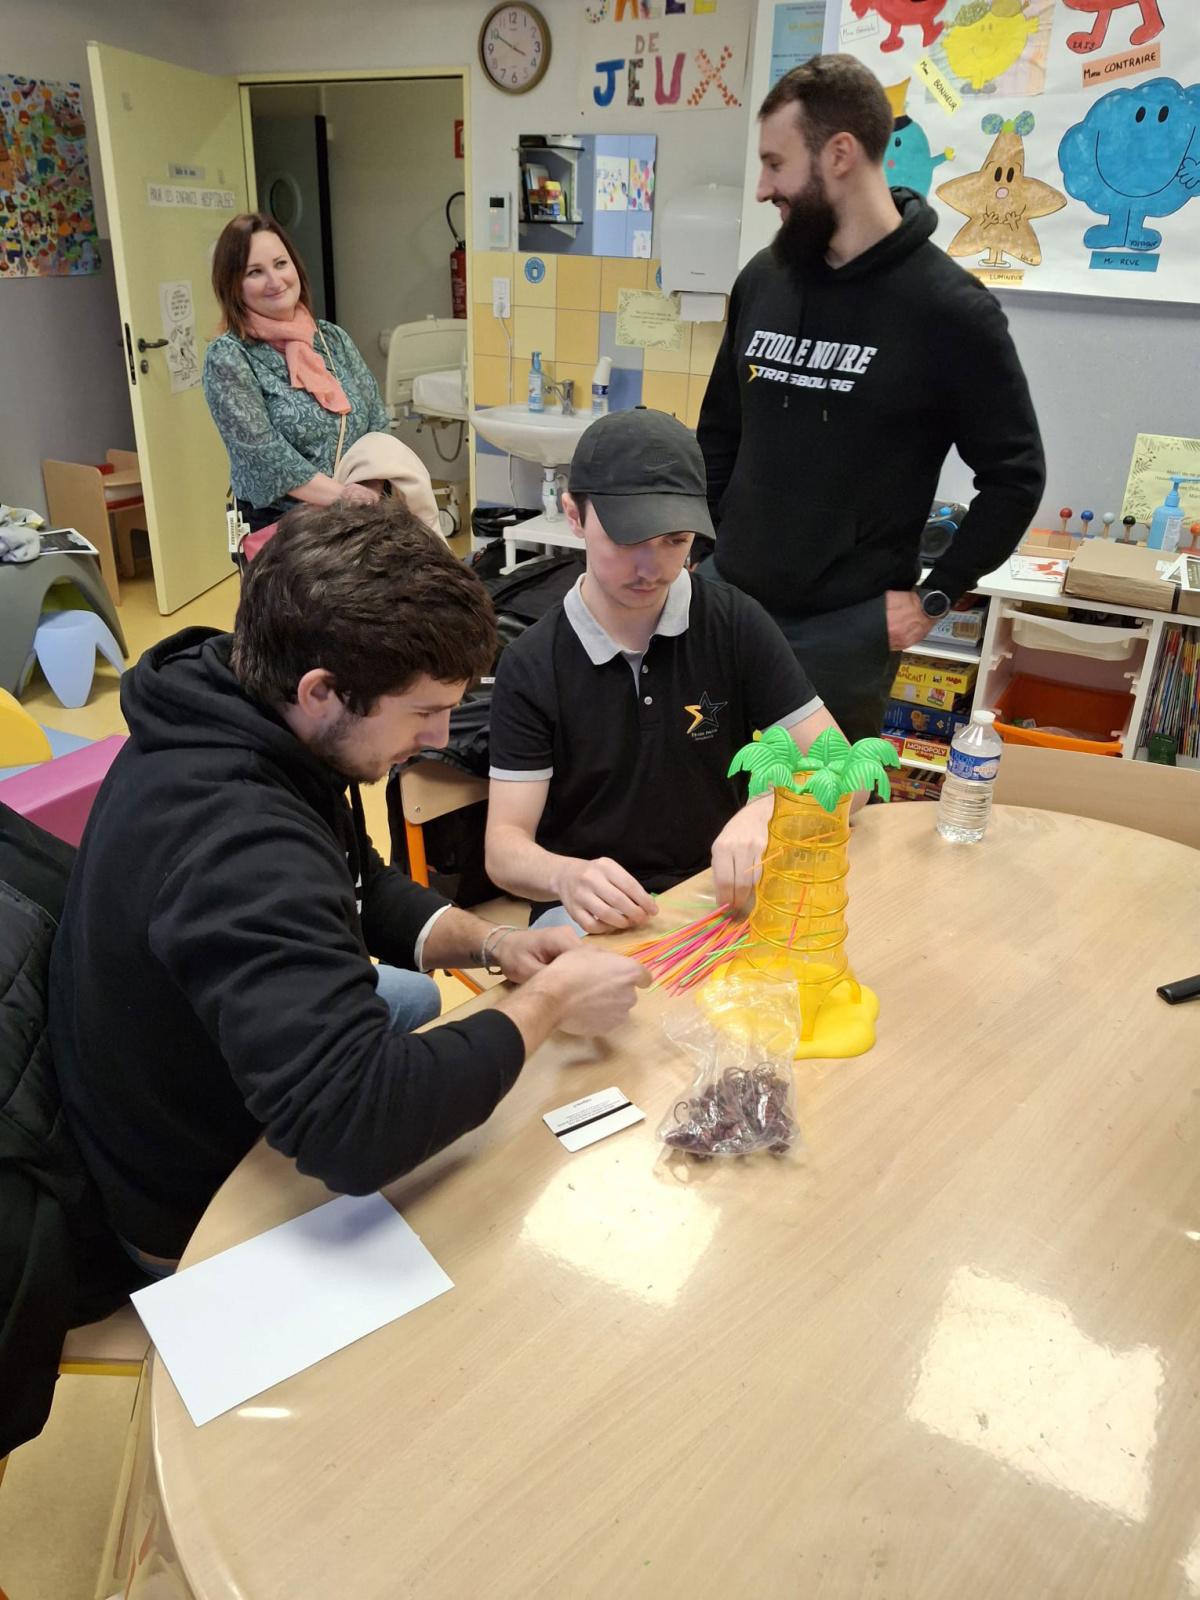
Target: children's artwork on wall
x=1067 y=133
x=663 y=55
x=909 y=162
x=641 y=185
x=1001 y=201
x=47 y=220
x=612 y=183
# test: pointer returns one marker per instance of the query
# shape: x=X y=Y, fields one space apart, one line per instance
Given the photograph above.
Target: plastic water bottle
x=966 y=798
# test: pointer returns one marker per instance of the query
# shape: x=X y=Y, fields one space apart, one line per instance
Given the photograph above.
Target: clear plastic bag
x=741 y=1032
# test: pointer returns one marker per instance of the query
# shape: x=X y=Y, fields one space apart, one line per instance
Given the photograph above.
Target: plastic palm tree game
x=796 y=932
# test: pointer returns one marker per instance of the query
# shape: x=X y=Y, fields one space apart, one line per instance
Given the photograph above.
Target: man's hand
x=527 y=951
x=595 y=990
x=737 y=853
x=906 y=621
x=602 y=896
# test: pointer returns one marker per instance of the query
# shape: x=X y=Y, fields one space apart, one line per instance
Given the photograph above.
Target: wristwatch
x=934 y=602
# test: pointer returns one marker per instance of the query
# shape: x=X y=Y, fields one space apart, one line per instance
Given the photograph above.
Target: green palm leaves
x=832 y=769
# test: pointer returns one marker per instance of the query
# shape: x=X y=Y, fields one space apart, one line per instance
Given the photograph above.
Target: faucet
x=565 y=392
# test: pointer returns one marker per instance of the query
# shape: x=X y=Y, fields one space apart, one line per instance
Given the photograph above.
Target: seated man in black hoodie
x=856 y=354
x=211 y=980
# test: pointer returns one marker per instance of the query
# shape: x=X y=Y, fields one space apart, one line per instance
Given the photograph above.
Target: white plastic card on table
x=242 y=1321
x=594 y=1117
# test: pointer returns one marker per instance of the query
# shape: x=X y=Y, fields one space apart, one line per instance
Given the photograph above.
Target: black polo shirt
x=636 y=748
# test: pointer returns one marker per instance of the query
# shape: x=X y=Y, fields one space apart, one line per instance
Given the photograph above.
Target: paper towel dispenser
x=699 y=232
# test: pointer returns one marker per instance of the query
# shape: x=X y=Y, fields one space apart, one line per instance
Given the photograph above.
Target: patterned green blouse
x=278 y=437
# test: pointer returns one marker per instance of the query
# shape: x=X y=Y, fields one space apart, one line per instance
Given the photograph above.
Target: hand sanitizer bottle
x=537 y=379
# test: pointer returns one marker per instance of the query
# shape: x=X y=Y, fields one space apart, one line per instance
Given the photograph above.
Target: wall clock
x=514 y=47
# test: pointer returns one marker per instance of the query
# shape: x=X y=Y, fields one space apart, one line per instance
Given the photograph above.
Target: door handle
x=151 y=344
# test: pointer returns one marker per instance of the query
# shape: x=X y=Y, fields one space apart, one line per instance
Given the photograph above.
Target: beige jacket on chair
x=379 y=455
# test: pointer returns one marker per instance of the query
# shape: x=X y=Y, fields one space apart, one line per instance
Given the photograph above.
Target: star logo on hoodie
x=704 y=717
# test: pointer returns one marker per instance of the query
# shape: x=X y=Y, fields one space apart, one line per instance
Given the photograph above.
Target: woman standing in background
x=290 y=395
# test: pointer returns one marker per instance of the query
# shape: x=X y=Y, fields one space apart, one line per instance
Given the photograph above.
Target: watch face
x=934 y=603
x=514 y=47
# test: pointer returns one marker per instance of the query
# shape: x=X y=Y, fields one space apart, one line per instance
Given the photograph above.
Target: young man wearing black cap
x=615 y=717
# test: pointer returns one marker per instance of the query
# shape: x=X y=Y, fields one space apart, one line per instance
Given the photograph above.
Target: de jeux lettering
x=657 y=41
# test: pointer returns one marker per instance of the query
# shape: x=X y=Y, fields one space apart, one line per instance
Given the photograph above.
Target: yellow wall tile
x=491 y=381
x=577 y=336
x=581 y=377
x=579 y=283
x=533 y=329
x=487 y=334
x=486 y=265
x=520 y=380
x=706 y=341
x=535 y=294
x=672 y=360
x=617 y=274
x=666 y=391
x=696 y=388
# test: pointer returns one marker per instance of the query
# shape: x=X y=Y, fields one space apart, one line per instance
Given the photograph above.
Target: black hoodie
x=832 y=405
x=210 y=982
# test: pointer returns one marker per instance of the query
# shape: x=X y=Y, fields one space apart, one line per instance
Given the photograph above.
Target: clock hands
x=512 y=46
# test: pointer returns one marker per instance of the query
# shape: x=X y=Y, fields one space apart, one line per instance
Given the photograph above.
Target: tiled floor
x=57 y=1494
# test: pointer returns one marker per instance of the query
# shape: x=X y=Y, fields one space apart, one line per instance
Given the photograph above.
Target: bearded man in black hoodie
x=210 y=980
x=856 y=355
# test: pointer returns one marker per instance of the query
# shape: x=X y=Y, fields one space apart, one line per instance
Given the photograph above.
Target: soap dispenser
x=537 y=384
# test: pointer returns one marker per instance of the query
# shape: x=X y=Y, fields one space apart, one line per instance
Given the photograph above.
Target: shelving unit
x=1003 y=592
x=999 y=656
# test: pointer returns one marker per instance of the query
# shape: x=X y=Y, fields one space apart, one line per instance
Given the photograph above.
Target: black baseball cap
x=644 y=473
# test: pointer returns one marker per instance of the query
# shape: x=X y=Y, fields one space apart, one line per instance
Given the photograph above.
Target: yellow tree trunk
x=798 y=926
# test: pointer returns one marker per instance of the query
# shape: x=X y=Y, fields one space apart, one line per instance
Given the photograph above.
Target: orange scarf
x=295 y=340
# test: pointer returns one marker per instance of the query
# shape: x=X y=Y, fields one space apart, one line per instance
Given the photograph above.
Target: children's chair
x=65 y=646
x=23 y=589
x=104 y=503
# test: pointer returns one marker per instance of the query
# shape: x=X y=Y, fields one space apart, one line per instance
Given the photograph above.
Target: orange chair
x=430 y=789
x=104 y=503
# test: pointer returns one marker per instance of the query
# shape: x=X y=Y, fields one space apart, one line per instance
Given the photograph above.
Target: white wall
x=391 y=170
x=693 y=146
x=66 y=392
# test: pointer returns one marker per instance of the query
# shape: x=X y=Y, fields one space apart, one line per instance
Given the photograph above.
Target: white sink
x=546 y=437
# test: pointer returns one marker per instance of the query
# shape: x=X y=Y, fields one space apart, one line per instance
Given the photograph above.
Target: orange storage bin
x=1062 y=705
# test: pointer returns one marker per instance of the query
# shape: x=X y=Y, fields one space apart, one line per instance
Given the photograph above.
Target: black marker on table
x=1184 y=989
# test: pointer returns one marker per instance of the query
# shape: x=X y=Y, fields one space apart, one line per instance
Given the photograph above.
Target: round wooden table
x=952 y=1352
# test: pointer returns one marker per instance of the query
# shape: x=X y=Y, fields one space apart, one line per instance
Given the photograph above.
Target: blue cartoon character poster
x=909 y=161
x=1057 y=140
x=1135 y=155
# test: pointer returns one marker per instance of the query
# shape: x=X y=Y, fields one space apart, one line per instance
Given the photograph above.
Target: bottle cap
x=984 y=718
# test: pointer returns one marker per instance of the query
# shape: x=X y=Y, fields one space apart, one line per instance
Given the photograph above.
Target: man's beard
x=331 y=746
x=805 y=234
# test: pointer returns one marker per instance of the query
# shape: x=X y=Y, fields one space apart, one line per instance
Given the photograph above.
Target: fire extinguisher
x=458 y=262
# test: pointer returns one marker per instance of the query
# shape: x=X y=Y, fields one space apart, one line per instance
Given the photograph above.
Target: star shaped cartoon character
x=704 y=716
x=999 y=201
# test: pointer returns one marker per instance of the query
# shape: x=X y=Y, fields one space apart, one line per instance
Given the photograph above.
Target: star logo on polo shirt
x=704 y=716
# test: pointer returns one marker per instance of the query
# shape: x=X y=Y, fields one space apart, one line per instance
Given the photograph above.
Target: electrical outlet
x=500 y=293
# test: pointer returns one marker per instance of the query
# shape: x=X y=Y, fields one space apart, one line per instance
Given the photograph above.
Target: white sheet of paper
x=244 y=1320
